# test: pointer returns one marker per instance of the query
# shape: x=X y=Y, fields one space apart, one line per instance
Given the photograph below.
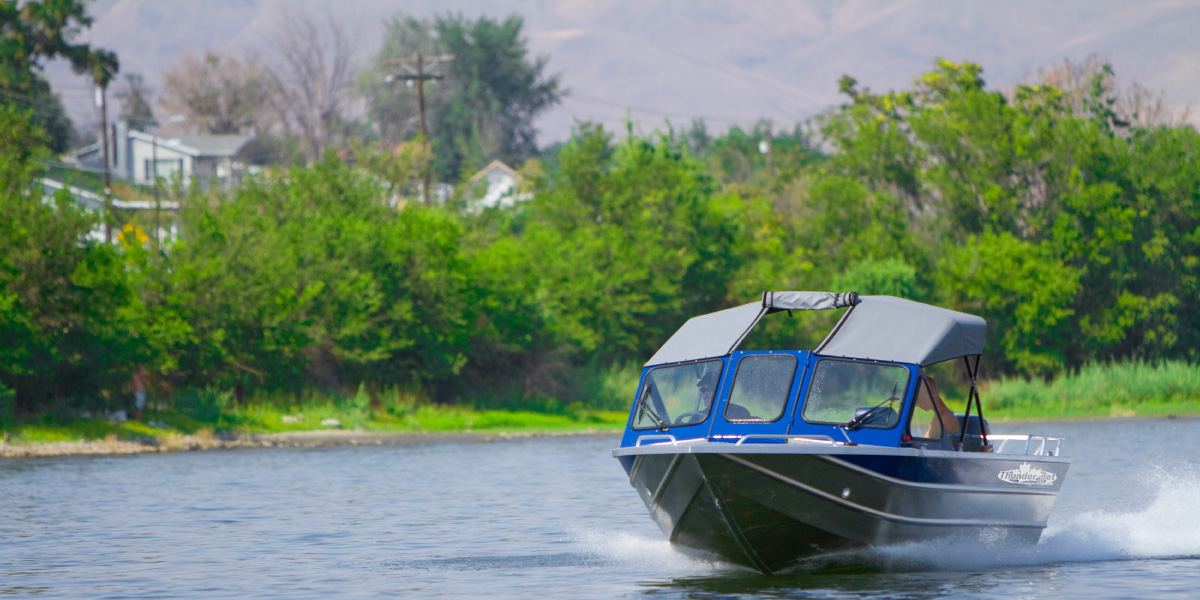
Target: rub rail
x=787 y=438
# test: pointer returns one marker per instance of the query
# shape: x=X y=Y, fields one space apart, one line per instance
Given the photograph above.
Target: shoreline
x=291 y=439
x=330 y=438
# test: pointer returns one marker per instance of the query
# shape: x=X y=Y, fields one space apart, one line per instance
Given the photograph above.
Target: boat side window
x=761 y=388
x=677 y=395
x=924 y=422
x=840 y=388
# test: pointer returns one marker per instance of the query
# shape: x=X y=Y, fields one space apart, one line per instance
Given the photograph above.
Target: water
x=552 y=517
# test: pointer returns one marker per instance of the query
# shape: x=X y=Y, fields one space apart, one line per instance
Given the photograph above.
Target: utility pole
x=108 y=216
x=418 y=76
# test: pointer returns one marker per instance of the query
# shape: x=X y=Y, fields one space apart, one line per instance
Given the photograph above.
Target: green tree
x=67 y=302
x=485 y=106
x=1065 y=190
x=33 y=32
x=632 y=240
x=310 y=277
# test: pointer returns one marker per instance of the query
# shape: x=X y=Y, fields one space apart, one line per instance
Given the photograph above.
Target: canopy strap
x=836 y=328
x=973 y=373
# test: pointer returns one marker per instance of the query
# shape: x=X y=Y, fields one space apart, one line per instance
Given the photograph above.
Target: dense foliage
x=1075 y=233
x=30 y=34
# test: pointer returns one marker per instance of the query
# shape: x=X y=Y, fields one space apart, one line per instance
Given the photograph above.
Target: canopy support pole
x=973 y=373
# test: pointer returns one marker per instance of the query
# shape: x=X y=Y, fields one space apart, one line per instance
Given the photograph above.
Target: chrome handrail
x=784 y=436
x=1043 y=444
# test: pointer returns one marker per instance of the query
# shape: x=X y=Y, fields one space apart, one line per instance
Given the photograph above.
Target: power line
x=30 y=104
x=661 y=112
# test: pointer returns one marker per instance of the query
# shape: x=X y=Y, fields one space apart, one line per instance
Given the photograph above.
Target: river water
x=551 y=517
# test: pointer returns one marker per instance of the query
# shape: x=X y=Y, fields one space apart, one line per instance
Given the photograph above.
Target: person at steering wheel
x=706 y=387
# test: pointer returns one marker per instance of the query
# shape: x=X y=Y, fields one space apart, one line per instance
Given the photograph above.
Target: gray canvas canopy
x=899 y=330
x=875 y=328
x=711 y=335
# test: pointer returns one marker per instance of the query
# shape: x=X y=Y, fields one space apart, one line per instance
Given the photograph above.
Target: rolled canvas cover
x=899 y=330
x=711 y=335
x=808 y=300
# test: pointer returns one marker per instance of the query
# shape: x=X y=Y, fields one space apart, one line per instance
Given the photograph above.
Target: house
x=137 y=156
x=501 y=188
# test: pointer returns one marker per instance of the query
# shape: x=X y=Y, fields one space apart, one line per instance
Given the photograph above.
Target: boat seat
x=973 y=427
x=737 y=412
x=973 y=441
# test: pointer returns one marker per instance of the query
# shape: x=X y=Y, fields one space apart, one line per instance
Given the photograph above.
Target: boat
x=766 y=458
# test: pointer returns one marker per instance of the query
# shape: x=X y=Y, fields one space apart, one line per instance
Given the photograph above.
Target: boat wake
x=1167 y=527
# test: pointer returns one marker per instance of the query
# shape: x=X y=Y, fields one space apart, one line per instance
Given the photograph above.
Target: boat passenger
x=707 y=384
x=930 y=402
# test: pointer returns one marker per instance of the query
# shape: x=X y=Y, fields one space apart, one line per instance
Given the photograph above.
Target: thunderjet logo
x=1027 y=474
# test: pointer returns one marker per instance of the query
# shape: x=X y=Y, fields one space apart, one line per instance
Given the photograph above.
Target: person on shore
x=139 y=392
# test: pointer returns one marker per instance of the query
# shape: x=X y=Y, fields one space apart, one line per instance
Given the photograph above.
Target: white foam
x=642 y=553
x=1169 y=526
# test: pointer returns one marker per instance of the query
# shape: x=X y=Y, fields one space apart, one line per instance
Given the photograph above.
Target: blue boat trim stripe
x=877 y=513
x=942 y=487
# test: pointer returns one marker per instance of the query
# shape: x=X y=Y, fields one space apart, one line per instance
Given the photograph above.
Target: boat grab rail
x=665 y=437
x=1035 y=445
x=787 y=438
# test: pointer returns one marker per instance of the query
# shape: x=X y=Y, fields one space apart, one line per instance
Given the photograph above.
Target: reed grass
x=1121 y=389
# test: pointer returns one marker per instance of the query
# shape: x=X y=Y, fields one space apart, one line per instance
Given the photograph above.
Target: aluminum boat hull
x=768 y=506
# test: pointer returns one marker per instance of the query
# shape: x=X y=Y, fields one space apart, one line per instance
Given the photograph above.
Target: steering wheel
x=689 y=418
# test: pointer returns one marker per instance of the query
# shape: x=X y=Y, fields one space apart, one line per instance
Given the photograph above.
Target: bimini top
x=875 y=328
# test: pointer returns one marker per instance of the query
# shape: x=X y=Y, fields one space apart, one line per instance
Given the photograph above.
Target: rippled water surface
x=549 y=517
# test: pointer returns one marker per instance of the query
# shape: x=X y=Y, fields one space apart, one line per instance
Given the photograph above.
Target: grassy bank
x=1095 y=391
x=211 y=412
x=1098 y=390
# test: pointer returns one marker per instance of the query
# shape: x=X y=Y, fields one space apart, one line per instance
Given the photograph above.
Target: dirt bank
x=325 y=438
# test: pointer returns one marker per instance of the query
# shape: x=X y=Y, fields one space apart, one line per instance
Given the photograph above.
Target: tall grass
x=1099 y=390
x=406 y=410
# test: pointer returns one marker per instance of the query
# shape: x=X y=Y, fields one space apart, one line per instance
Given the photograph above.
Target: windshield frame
x=642 y=400
x=902 y=394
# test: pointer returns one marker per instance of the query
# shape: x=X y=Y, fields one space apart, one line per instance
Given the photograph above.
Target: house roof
x=495 y=165
x=88 y=149
x=197 y=145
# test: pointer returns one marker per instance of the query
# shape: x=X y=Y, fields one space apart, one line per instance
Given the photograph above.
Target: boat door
x=757 y=396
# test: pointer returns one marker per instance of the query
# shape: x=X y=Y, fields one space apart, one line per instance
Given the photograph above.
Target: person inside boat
x=707 y=385
x=931 y=417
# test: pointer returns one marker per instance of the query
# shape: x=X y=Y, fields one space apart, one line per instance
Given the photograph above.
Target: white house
x=205 y=157
x=137 y=156
x=502 y=182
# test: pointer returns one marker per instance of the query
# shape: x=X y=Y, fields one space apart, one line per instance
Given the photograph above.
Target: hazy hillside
x=723 y=61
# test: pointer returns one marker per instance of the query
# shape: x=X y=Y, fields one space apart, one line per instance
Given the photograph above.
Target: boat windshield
x=841 y=387
x=677 y=395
